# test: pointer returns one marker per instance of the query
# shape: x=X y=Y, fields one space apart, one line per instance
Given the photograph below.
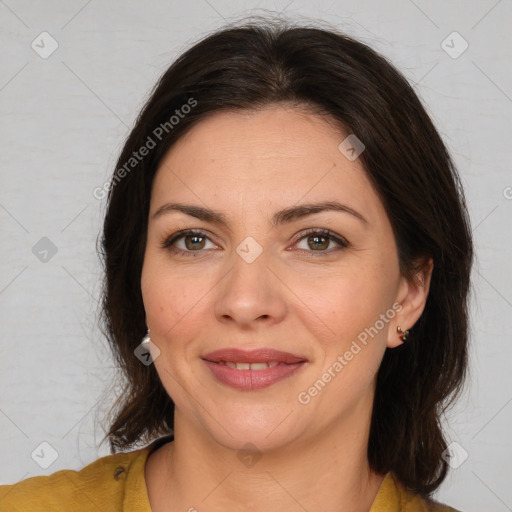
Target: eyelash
x=169 y=241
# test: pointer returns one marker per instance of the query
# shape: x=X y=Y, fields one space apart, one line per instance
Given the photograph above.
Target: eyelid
x=168 y=242
x=177 y=235
x=323 y=231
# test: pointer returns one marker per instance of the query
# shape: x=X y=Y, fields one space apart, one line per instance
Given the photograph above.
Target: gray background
x=64 y=119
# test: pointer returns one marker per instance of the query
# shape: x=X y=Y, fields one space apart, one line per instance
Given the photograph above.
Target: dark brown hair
x=256 y=64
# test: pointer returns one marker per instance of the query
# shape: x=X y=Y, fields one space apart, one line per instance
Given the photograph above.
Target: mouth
x=267 y=356
x=249 y=366
x=254 y=369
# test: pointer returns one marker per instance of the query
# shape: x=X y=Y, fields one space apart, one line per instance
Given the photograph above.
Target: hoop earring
x=402 y=334
x=146 y=338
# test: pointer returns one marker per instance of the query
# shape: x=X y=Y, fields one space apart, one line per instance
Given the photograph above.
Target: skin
x=313 y=456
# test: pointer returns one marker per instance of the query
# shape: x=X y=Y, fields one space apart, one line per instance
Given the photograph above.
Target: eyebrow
x=281 y=217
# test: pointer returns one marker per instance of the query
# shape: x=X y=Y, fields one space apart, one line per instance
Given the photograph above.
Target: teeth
x=249 y=366
x=259 y=366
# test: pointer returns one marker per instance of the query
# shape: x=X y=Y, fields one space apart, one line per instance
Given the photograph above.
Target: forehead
x=273 y=133
x=276 y=156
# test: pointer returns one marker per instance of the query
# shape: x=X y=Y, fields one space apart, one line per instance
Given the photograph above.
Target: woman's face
x=270 y=281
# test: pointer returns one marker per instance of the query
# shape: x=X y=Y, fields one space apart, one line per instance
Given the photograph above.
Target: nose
x=250 y=295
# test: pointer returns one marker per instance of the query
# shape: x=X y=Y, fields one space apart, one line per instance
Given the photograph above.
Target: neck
x=327 y=471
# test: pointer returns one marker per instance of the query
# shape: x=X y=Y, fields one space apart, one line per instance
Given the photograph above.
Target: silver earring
x=146 y=338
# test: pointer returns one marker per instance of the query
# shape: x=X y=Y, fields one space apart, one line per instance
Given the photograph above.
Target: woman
x=287 y=235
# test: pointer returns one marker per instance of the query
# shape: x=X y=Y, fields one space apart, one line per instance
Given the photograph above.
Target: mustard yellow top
x=116 y=483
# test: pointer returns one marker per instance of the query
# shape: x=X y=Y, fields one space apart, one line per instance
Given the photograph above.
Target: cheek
x=175 y=314
x=354 y=345
x=351 y=300
x=172 y=301
x=355 y=306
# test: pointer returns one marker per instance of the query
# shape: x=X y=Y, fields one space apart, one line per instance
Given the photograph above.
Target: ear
x=412 y=296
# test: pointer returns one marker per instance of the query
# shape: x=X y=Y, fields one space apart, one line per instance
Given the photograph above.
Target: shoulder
x=102 y=481
x=392 y=495
x=414 y=503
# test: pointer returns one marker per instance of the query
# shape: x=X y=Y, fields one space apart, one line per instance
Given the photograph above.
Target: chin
x=250 y=441
x=262 y=430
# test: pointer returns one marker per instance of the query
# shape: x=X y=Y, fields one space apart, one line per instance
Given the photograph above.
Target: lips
x=250 y=370
x=264 y=355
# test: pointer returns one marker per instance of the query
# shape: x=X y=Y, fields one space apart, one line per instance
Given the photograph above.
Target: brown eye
x=188 y=242
x=319 y=240
x=194 y=242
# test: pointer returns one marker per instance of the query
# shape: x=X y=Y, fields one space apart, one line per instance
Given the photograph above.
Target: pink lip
x=263 y=355
x=249 y=380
